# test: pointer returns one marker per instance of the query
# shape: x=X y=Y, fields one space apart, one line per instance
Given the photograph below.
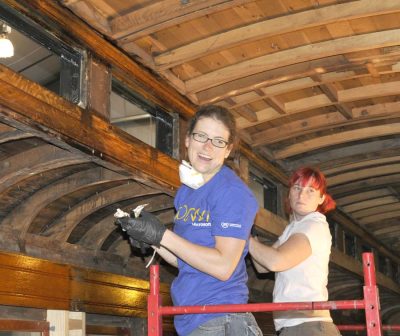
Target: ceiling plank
x=363 y=163
x=163 y=14
x=292 y=129
x=379 y=217
x=272 y=77
x=381 y=200
x=363 y=196
x=369 y=91
x=275 y=26
x=90 y=13
x=358 y=174
x=337 y=138
x=378 y=209
x=294 y=55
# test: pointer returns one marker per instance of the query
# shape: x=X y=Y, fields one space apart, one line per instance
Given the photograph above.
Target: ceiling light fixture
x=6 y=47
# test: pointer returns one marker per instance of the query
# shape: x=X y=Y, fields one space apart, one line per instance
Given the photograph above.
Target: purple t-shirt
x=226 y=207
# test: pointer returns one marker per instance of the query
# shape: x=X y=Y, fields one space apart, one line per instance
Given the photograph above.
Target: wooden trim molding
x=38 y=283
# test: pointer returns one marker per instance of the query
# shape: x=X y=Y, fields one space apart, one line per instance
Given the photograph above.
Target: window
x=144 y=120
x=349 y=243
x=265 y=191
x=41 y=57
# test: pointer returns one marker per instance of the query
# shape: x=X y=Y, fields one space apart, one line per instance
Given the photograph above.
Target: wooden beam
x=381 y=200
x=364 y=185
x=264 y=165
x=361 y=197
x=363 y=163
x=379 y=217
x=295 y=128
x=360 y=173
x=364 y=235
x=164 y=14
x=350 y=264
x=376 y=210
x=36 y=105
x=295 y=55
x=23 y=215
x=90 y=14
x=62 y=227
x=337 y=138
x=136 y=76
x=369 y=91
x=272 y=27
x=271 y=77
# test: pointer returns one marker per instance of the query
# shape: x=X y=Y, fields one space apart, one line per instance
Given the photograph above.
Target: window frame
x=71 y=59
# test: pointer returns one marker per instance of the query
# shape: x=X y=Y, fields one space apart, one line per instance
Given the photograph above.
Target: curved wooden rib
x=22 y=216
x=41 y=159
x=271 y=27
x=63 y=226
x=337 y=138
x=292 y=56
x=97 y=234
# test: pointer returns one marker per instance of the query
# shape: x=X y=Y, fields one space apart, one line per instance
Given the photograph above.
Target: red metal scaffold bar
x=360 y=327
x=370 y=303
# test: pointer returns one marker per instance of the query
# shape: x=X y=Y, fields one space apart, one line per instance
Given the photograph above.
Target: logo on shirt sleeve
x=226 y=225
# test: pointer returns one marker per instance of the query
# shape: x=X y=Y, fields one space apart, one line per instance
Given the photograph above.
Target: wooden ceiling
x=310 y=82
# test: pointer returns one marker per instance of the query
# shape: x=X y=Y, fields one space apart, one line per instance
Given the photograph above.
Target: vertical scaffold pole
x=154 y=317
x=371 y=297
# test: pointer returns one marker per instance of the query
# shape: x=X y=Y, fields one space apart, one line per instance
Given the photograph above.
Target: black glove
x=147 y=228
x=144 y=248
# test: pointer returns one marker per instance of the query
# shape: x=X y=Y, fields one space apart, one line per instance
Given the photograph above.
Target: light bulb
x=6 y=47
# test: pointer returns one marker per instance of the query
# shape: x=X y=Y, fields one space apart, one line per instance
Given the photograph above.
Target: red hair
x=304 y=176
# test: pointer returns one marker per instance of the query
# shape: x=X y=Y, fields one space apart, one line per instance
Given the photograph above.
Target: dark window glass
x=41 y=57
x=266 y=192
x=143 y=119
x=349 y=243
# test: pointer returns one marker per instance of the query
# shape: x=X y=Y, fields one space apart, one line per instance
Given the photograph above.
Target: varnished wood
x=280 y=25
x=33 y=282
x=17 y=96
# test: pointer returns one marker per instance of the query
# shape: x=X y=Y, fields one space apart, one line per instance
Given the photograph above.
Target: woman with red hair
x=300 y=256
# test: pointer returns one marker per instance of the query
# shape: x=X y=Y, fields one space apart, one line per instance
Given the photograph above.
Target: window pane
x=41 y=57
x=142 y=119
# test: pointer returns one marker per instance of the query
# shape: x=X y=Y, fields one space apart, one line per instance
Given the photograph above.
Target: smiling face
x=304 y=199
x=205 y=157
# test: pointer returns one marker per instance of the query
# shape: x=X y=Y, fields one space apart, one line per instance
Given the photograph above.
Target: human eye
x=201 y=136
x=311 y=190
x=296 y=187
x=219 y=142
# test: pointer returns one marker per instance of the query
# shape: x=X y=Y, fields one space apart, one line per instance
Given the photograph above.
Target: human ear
x=187 y=141
x=322 y=199
x=228 y=151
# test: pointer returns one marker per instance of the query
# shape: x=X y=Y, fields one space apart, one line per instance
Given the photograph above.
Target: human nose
x=208 y=143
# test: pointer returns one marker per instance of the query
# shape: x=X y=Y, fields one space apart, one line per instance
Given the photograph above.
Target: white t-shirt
x=308 y=280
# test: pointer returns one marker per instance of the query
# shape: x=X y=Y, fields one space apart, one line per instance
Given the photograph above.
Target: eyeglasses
x=201 y=137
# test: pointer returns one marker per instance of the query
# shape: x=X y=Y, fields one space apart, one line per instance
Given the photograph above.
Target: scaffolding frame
x=370 y=303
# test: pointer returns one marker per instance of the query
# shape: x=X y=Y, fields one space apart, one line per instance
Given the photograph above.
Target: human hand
x=147 y=228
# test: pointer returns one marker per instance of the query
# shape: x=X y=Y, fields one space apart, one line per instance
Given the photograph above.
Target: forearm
x=219 y=261
x=169 y=257
x=264 y=257
x=283 y=257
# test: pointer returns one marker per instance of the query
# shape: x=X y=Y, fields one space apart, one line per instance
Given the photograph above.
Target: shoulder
x=314 y=226
x=229 y=183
